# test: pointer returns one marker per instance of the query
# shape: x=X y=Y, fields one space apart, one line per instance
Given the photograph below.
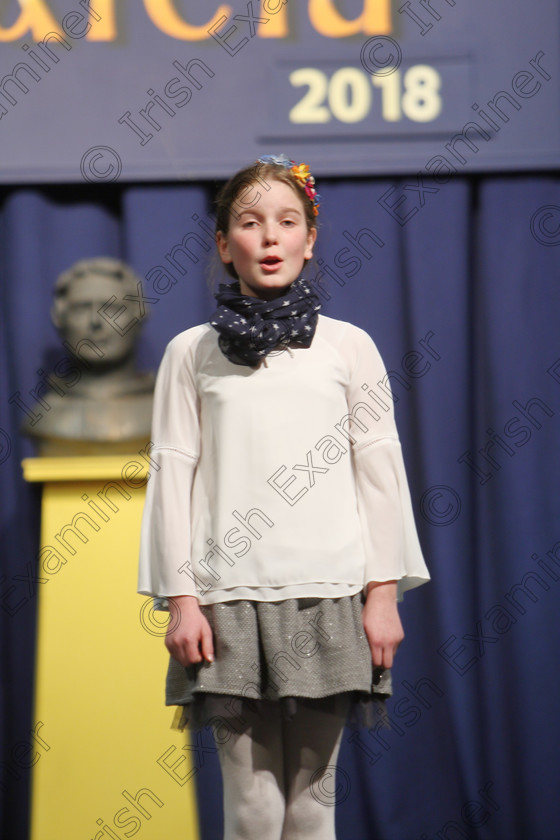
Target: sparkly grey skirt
x=307 y=650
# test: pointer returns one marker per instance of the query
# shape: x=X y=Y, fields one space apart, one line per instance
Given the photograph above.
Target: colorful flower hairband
x=302 y=175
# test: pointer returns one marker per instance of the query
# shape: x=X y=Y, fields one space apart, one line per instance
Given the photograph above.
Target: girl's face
x=268 y=243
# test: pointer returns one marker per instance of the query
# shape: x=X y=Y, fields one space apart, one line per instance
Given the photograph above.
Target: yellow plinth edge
x=86 y=468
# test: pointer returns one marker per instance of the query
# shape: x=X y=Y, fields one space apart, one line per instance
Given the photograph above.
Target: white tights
x=279 y=776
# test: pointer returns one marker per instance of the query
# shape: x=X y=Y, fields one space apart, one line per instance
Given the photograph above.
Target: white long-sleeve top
x=285 y=481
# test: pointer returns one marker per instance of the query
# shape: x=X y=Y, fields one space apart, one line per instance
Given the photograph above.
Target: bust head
x=90 y=303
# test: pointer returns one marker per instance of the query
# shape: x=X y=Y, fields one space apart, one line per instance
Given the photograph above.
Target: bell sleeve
x=165 y=543
x=391 y=545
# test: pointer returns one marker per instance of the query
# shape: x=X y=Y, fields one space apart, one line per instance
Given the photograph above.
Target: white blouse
x=285 y=481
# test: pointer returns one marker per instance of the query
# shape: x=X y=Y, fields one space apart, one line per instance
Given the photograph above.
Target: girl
x=279 y=526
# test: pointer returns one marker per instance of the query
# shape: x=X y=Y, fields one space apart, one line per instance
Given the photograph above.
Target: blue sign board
x=170 y=89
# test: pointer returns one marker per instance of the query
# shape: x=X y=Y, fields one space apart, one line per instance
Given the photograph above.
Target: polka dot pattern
x=250 y=328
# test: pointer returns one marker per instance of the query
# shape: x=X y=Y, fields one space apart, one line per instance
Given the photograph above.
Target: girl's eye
x=249 y=224
x=288 y=222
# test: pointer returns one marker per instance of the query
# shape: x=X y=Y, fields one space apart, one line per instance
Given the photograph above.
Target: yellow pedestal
x=105 y=762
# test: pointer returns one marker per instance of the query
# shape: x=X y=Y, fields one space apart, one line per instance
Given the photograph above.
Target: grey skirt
x=307 y=650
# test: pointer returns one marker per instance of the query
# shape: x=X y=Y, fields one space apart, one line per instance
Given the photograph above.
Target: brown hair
x=244 y=188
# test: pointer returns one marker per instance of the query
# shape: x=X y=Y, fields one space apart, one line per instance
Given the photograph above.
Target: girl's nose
x=269 y=234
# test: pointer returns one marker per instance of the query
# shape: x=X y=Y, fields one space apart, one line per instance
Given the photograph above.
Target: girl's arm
x=393 y=557
x=392 y=551
x=166 y=523
x=189 y=635
x=382 y=623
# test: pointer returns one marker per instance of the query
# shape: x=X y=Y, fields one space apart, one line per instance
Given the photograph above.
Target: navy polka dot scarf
x=249 y=328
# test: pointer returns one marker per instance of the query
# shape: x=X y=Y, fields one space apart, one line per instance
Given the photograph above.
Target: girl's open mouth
x=270 y=263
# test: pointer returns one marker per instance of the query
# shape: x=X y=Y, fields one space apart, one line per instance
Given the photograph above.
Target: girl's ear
x=223 y=247
x=311 y=238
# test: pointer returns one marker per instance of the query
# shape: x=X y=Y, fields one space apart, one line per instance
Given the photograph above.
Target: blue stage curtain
x=458 y=283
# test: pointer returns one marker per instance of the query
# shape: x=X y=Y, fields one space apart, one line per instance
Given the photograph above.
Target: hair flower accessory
x=279 y=160
x=301 y=174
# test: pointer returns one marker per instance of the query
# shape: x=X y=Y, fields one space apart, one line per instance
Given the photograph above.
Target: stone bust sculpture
x=97 y=401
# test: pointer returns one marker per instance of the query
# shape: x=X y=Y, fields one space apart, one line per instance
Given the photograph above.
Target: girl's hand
x=189 y=635
x=382 y=623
